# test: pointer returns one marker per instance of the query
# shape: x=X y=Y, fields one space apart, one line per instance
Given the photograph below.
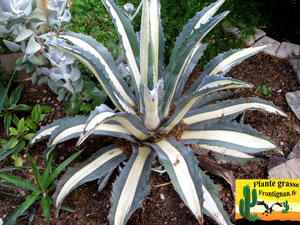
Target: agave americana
x=157 y=106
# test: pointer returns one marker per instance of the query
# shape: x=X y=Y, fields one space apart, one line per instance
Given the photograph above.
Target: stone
x=293 y=100
x=295 y=63
x=287 y=49
x=257 y=36
x=275 y=161
x=8 y=61
x=287 y=170
x=231 y=29
x=273 y=45
x=296 y=151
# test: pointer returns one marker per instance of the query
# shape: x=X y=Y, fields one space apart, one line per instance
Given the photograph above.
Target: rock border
x=283 y=50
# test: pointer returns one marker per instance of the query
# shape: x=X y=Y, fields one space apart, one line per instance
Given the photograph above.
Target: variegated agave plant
x=157 y=107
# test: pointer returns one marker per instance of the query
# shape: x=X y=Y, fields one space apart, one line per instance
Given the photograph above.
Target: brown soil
x=163 y=205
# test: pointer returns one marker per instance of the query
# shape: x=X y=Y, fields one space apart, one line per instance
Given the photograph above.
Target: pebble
x=24 y=156
x=38 y=101
x=61 y=158
x=162 y=197
x=181 y=205
x=279 y=91
x=281 y=143
x=44 y=99
x=45 y=91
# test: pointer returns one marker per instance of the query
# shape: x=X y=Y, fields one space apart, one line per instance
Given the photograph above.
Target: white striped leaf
x=131 y=186
x=157 y=38
x=151 y=110
x=128 y=39
x=182 y=167
x=229 y=110
x=180 y=69
x=213 y=84
x=212 y=205
x=212 y=98
x=106 y=62
x=229 y=135
x=93 y=64
x=46 y=131
x=98 y=165
x=226 y=154
x=201 y=17
x=103 y=114
x=145 y=47
x=222 y=63
x=68 y=129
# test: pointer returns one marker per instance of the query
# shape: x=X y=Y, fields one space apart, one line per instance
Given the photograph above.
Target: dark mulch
x=163 y=205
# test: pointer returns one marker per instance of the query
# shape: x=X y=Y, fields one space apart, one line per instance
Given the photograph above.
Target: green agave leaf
x=98 y=165
x=68 y=129
x=228 y=155
x=209 y=85
x=114 y=129
x=229 y=110
x=150 y=101
x=229 y=135
x=106 y=62
x=212 y=98
x=212 y=204
x=93 y=63
x=222 y=63
x=201 y=17
x=102 y=114
x=145 y=47
x=182 y=67
x=157 y=39
x=46 y=131
x=128 y=39
x=11 y=219
x=182 y=167
x=131 y=186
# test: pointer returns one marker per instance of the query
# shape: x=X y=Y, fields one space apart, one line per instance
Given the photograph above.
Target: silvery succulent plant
x=22 y=19
x=157 y=109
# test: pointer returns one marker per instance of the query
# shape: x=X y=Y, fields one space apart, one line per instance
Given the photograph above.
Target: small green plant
x=86 y=101
x=286 y=207
x=24 y=131
x=263 y=90
x=40 y=190
x=10 y=106
x=246 y=204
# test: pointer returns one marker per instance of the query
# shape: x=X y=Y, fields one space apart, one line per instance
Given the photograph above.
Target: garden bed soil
x=163 y=205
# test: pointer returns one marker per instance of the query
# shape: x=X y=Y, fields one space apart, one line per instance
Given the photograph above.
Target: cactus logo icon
x=267 y=201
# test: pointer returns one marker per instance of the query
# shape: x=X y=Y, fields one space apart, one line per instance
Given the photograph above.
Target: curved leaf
x=131 y=186
x=222 y=63
x=98 y=165
x=212 y=204
x=46 y=131
x=182 y=167
x=229 y=109
x=128 y=38
x=227 y=134
x=184 y=64
x=209 y=85
x=103 y=114
x=106 y=62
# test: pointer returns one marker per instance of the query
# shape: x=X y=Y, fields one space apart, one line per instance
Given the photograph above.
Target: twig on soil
x=161 y=185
